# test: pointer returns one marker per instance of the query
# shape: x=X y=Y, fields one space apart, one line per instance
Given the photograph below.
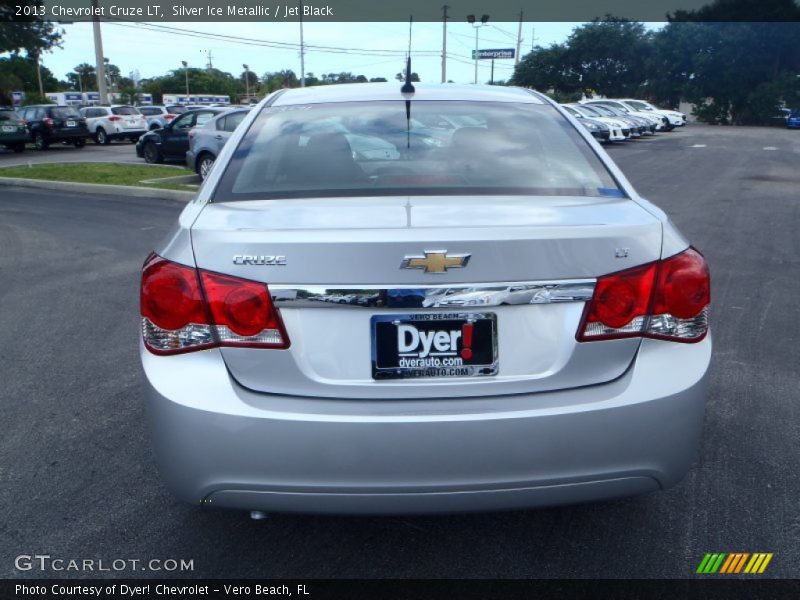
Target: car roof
x=362 y=92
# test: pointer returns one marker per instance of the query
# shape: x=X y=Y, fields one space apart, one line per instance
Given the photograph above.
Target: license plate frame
x=432 y=357
x=9 y=128
x=72 y=124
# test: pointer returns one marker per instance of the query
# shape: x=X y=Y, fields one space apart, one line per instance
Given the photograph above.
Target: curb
x=99 y=188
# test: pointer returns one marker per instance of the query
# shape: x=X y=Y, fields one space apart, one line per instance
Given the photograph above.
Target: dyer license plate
x=434 y=345
x=71 y=124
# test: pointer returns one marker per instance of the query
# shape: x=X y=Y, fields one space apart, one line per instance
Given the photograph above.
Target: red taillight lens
x=668 y=299
x=243 y=312
x=623 y=296
x=169 y=117
x=683 y=288
x=47 y=121
x=171 y=296
x=184 y=309
x=114 y=118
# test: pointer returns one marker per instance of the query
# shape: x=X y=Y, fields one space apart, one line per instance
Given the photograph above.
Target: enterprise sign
x=495 y=53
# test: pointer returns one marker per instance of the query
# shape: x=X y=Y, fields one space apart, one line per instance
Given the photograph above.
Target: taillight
x=47 y=121
x=114 y=118
x=668 y=299
x=185 y=309
x=169 y=117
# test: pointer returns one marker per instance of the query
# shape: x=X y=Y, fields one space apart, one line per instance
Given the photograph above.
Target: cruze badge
x=435 y=261
x=260 y=259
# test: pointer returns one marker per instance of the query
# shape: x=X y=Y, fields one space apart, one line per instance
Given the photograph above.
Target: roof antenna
x=408 y=88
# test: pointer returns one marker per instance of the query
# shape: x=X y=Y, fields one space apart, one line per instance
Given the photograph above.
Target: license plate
x=71 y=124
x=9 y=129
x=438 y=345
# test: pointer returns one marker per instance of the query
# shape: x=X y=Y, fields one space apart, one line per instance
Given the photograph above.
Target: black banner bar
x=366 y=10
x=710 y=588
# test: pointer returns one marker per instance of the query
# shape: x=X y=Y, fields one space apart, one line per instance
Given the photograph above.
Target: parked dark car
x=206 y=142
x=13 y=131
x=170 y=143
x=49 y=123
x=793 y=119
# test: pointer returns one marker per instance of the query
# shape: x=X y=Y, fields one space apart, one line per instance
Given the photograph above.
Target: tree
x=26 y=33
x=249 y=80
x=19 y=73
x=610 y=55
x=378 y=80
x=83 y=77
x=279 y=80
x=547 y=69
x=402 y=76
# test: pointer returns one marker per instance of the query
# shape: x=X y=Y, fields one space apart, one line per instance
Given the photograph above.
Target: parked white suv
x=106 y=123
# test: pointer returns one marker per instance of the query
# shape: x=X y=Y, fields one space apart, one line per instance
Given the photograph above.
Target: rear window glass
x=439 y=148
x=63 y=112
x=150 y=111
x=176 y=110
x=203 y=118
x=124 y=110
x=232 y=121
x=9 y=115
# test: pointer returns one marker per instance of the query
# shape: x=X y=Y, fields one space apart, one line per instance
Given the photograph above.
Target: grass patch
x=106 y=173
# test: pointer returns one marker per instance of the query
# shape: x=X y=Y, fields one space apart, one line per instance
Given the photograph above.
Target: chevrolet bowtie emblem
x=435 y=261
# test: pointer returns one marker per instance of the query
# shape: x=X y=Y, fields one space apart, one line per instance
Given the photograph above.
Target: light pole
x=247 y=82
x=186 y=73
x=476 y=27
x=39 y=72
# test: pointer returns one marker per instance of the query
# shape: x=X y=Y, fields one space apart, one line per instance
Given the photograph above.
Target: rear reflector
x=668 y=299
x=185 y=309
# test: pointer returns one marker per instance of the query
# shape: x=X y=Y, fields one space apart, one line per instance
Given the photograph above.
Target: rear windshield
x=638 y=105
x=63 y=112
x=438 y=148
x=9 y=115
x=124 y=110
x=176 y=110
x=149 y=111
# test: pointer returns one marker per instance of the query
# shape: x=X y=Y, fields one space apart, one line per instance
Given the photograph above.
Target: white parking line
x=770 y=148
x=698 y=146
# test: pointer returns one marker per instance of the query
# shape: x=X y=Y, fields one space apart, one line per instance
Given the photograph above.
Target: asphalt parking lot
x=120 y=152
x=78 y=480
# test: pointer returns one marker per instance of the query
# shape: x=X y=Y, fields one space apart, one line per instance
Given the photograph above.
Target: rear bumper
x=126 y=134
x=58 y=135
x=219 y=444
x=14 y=138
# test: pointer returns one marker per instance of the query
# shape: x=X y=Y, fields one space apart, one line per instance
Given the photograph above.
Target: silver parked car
x=160 y=116
x=590 y=385
x=206 y=141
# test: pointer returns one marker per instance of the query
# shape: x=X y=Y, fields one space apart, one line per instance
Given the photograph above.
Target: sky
x=153 y=52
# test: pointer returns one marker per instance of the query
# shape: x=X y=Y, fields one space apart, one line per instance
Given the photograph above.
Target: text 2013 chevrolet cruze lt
x=443 y=300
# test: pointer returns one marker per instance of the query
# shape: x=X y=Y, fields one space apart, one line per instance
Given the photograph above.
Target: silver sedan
x=590 y=384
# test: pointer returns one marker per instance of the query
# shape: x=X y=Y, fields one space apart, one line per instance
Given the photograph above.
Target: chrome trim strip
x=432 y=296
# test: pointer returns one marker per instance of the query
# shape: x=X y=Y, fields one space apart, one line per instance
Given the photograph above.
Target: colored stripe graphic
x=728 y=564
x=733 y=563
x=758 y=563
x=711 y=563
x=741 y=562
